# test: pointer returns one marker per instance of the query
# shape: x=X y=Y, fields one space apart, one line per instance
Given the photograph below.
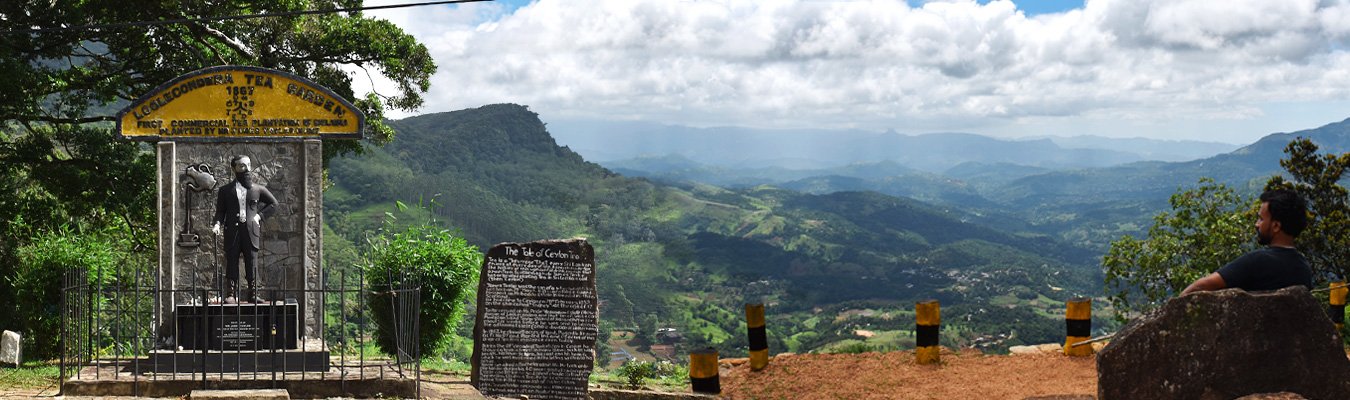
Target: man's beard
x=245 y=179
x=1262 y=239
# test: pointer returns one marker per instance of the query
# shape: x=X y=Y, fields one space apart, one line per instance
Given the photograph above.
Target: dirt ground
x=895 y=375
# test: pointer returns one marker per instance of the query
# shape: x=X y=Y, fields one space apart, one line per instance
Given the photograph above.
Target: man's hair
x=1287 y=207
x=236 y=159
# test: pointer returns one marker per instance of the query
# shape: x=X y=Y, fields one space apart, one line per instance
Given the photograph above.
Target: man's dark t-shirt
x=1271 y=268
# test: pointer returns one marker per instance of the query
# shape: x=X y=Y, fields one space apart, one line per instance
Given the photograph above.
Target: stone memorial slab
x=11 y=349
x=537 y=319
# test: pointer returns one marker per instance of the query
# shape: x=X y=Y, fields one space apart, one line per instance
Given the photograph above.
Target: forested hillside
x=1089 y=207
x=689 y=256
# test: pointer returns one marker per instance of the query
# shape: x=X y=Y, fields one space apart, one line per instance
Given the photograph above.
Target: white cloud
x=882 y=64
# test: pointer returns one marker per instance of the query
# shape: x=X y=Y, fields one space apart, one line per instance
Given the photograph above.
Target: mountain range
x=746 y=148
x=848 y=250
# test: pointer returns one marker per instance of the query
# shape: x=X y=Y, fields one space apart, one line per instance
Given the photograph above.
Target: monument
x=239 y=179
x=537 y=317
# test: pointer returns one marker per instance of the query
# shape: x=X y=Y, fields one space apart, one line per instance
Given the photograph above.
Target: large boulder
x=1224 y=345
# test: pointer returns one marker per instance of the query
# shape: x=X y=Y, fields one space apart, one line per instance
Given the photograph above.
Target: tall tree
x=68 y=72
x=1317 y=178
x=1211 y=225
x=1208 y=226
x=69 y=66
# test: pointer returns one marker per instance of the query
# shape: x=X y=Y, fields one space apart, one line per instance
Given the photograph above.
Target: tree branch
x=229 y=41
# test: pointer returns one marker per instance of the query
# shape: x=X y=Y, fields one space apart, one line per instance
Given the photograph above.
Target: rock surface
x=1274 y=396
x=1224 y=345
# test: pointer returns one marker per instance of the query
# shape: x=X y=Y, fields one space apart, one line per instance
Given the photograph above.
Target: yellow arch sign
x=237 y=102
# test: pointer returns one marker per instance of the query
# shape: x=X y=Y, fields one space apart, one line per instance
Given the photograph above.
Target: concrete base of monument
x=339 y=382
x=311 y=357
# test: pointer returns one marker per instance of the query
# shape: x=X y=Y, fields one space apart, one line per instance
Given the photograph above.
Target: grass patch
x=1004 y=300
x=449 y=366
x=31 y=375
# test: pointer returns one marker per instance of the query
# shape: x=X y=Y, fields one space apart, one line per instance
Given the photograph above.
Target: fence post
x=927 y=321
x=757 y=336
x=1337 y=310
x=1077 y=326
x=703 y=371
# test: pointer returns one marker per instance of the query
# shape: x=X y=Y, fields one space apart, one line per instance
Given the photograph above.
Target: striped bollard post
x=757 y=336
x=703 y=371
x=927 y=321
x=1077 y=326
x=1337 y=310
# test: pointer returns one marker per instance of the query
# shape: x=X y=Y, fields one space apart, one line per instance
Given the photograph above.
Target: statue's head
x=241 y=164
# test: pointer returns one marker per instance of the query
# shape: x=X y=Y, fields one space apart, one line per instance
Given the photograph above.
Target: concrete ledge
x=619 y=394
x=306 y=389
x=254 y=394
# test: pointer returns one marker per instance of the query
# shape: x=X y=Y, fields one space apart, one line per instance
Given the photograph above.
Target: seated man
x=1282 y=217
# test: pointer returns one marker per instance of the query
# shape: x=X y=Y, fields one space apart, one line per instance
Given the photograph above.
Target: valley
x=838 y=260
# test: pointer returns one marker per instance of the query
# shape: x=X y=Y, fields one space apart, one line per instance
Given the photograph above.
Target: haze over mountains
x=745 y=148
x=1088 y=190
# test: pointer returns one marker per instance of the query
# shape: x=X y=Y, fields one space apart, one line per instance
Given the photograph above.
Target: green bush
x=855 y=348
x=40 y=275
x=636 y=372
x=444 y=265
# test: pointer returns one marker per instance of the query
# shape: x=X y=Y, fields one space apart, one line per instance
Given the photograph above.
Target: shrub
x=40 y=275
x=446 y=268
x=855 y=348
x=636 y=372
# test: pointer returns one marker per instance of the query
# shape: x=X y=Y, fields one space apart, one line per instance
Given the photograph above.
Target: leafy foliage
x=636 y=372
x=443 y=265
x=1326 y=241
x=1209 y=225
x=59 y=161
x=40 y=276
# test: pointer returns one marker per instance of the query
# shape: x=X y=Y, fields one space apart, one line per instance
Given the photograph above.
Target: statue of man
x=240 y=207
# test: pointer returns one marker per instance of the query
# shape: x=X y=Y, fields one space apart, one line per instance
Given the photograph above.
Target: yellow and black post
x=703 y=371
x=1337 y=310
x=756 y=335
x=1077 y=326
x=927 y=321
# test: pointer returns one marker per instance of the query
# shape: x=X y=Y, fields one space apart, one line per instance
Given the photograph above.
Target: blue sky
x=1035 y=7
x=1030 y=7
x=1229 y=71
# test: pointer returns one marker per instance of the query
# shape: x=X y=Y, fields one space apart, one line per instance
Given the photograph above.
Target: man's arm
x=269 y=203
x=219 y=217
x=1210 y=282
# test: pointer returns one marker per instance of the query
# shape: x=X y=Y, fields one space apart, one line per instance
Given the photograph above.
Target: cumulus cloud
x=882 y=64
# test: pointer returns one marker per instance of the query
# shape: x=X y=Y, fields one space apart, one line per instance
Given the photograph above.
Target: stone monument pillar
x=289 y=257
x=200 y=121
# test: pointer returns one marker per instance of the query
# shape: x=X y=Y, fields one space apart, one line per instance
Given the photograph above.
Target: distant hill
x=1149 y=149
x=745 y=148
x=693 y=254
x=1088 y=206
x=1125 y=196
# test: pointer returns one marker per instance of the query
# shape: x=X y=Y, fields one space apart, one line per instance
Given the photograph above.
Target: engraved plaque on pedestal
x=261 y=326
x=536 y=322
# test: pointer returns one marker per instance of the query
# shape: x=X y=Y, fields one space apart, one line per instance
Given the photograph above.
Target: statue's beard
x=245 y=179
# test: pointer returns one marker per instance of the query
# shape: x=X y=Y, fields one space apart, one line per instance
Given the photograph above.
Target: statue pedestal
x=248 y=337
x=248 y=326
x=311 y=357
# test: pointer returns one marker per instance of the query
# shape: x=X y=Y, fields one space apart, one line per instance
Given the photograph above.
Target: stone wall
x=290 y=256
